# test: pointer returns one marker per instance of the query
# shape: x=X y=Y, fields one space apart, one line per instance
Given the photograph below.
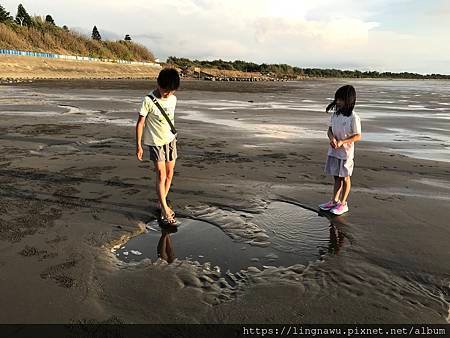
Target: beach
x=28 y=68
x=73 y=193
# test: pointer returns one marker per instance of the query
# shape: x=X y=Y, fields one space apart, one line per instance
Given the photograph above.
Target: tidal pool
x=294 y=235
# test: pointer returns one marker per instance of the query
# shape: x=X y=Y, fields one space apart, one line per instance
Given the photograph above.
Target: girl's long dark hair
x=348 y=95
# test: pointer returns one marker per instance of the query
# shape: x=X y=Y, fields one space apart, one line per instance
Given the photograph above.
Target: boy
x=154 y=131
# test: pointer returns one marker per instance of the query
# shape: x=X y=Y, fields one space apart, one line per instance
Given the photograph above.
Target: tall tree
x=127 y=37
x=65 y=28
x=4 y=15
x=22 y=17
x=49 y=19
x=95 y=34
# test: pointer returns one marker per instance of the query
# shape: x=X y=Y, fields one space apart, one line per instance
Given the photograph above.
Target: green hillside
x=39 y=34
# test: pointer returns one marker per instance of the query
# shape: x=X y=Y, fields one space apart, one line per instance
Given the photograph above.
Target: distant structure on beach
x=69 y=57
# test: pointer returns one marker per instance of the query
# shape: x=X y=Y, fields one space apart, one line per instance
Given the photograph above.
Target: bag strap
x=163 y=112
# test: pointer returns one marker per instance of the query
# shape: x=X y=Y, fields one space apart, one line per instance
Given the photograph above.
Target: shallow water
x=294 y=236
x=401 y=116
x=407 y=115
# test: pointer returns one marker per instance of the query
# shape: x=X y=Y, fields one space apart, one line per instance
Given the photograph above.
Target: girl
x=344 y=130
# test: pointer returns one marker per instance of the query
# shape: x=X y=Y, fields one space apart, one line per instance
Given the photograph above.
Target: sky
x=382 y=35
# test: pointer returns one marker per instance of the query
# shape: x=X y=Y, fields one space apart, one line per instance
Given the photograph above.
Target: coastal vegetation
x=290 y=72
x=42 y=34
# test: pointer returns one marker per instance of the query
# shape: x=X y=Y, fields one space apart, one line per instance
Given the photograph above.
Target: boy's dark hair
x=348 y=95
x=169 y=79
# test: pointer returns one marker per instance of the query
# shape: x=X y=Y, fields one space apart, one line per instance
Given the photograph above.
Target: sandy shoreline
x=70 y=191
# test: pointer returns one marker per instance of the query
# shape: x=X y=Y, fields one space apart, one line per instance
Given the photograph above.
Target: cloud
x=337 y=33
x=151 y=37
x=391 y=35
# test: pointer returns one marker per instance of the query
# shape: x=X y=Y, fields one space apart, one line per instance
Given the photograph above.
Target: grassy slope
x=44 y=37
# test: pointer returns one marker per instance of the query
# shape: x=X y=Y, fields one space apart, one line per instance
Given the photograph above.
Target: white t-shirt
x=157 y=129
x=343 y=127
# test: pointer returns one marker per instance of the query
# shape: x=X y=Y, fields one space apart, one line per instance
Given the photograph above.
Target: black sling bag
x=163 y=112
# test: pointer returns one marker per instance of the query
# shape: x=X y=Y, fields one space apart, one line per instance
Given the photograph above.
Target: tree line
x=287 y=71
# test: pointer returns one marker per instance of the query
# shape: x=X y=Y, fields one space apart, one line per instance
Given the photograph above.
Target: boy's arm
x=139 y=130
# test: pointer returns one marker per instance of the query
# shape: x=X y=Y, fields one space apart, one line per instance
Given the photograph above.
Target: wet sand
x=72 y=190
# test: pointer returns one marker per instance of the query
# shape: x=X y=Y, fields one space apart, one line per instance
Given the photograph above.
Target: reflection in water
x=165 y=248
x=336 y=240
x=337 y=236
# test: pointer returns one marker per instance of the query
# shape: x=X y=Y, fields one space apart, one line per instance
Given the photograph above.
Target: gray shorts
x=339 y=167
x=166 y=152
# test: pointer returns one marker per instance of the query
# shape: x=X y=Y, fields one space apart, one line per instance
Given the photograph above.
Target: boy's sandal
x=170 y=216
x=163 y=218
x=169 y=205
x=168 y=220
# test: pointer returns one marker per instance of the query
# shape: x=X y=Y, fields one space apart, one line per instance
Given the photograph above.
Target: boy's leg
x=170 y=167
x=165 y=249
x=169 y=250
x=160 y=169
x=346 y=189
x=337 y=188
x=162 y=246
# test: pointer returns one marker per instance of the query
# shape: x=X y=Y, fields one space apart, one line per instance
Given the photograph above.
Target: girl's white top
x=343 y=127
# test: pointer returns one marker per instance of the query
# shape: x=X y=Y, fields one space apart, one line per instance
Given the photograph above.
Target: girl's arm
x=353 y=138
x=330 y=134
x=333 y=141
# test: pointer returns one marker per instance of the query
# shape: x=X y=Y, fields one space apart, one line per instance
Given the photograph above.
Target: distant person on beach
x=155 y=129
x=343 y=131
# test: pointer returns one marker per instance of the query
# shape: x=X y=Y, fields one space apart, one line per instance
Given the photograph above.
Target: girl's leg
x=346 y=189
x=337 y=188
